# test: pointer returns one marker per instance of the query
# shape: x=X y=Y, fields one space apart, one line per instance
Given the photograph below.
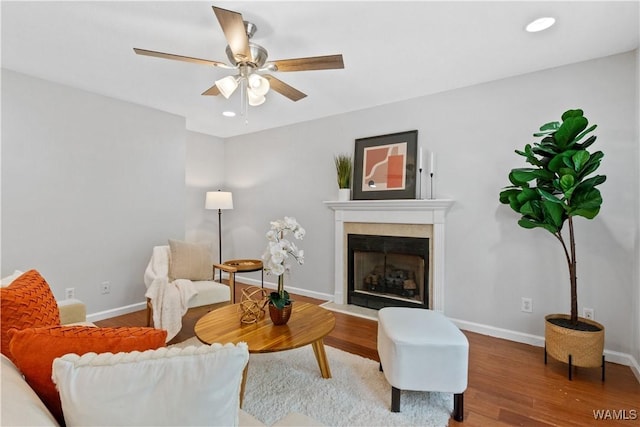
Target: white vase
x=344 y=194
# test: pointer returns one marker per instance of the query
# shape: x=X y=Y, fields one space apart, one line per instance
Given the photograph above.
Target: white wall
x=205 y=167
x=89 y=185
x=635 y=339
x=491 y=261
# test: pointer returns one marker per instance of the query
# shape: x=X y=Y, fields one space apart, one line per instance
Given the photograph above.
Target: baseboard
x=506 y=334
x=635 y=368
x=291 y=289
x=538 y=341
x=107 y=314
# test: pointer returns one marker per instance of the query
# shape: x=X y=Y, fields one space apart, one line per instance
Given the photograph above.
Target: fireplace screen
x=388 y=271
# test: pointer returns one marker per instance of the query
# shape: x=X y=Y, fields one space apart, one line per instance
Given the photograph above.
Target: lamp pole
x=220 y=237
x=219 y=200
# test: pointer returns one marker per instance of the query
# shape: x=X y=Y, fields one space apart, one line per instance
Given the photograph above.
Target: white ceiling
x=392 y=50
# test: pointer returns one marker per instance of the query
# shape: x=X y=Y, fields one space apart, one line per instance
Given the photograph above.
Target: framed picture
x=385 y=167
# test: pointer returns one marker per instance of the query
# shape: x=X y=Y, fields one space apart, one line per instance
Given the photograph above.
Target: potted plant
x=559 y=186
x=278 y=251
x=344 y=166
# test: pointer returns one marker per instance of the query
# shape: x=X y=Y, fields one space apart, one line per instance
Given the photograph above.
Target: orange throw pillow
x=26 y=303
x=34 y=350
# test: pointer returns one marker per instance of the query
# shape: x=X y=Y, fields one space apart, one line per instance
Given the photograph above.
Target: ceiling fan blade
x=213 y=90
x=284 y=89
x=329 y=62
x=179 y=57
x=233 y=27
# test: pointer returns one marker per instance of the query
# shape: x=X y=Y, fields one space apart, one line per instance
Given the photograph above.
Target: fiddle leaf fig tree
x=559 y=185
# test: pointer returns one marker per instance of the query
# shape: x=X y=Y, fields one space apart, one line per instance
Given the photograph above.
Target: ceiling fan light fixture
x=227 y=85
x=540 y=24
x=258 y=84
x=254 y=98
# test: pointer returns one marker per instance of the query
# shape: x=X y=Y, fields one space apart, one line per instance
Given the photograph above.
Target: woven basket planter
x=585 y=347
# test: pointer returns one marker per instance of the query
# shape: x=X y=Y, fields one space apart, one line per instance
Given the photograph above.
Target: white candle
x=431 y=164
x=420 y=158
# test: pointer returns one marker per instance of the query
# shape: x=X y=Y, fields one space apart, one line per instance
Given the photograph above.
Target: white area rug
x=356 y=395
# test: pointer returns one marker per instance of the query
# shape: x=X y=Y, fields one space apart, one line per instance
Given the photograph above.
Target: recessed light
x=228 y=114
x=540 y=24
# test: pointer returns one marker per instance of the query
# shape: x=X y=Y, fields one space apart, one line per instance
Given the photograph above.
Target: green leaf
x=528 y=209
x=587 y=143
x=566 y=183
x=279 y=301
x=590 y=183
x=527 y=194
x=572 y=113
x=571 y=127
x=551 y=126
x=548 y=196
x=507 y=193
x=528 y=153
x=529 y=224
x=580 y=158
x=544 y=150
x=586 y=203
x=554 y=213
x=579 y=137
x=560 y=160
x=526 y=223
x=567 y=171
x=521 y=176
x=592 y=164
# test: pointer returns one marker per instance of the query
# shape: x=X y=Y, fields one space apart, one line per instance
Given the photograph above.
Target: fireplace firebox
x=388 y=271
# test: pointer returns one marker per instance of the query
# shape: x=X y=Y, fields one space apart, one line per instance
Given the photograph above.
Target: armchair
x=174 y=285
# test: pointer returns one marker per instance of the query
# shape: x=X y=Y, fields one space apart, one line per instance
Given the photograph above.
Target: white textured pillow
x=191 y=261
x=168 y=386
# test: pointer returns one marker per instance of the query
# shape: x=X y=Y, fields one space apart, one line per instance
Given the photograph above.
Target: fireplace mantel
x=384 y=205
x=422 y=211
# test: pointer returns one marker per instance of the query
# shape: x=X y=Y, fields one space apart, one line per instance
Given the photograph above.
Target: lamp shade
x=254 y=99
x=258 y=84
x=219 y=200
x=227 y=85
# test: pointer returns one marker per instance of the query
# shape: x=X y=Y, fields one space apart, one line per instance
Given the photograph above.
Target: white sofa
x=21 y=406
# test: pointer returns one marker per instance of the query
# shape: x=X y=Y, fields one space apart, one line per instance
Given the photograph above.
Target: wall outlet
x=106 y=287
x=588 y=313
x=70 y=293
x=526 y=305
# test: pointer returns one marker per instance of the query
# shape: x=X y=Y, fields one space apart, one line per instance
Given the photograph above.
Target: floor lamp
x=219 y=200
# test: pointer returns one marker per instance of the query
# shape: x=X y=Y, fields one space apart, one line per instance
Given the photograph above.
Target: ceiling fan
x=250 y=61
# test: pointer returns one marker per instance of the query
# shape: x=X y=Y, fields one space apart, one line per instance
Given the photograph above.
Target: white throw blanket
x=169 y=299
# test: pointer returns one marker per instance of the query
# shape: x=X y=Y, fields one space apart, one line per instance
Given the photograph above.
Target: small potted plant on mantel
x=558 y=187
x=344 y=166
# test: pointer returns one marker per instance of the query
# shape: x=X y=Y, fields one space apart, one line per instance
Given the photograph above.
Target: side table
x=247 y=265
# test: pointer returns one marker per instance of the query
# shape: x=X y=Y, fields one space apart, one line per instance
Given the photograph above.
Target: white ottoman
x=422 y=350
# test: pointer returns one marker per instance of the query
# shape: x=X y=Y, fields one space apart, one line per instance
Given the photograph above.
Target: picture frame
x=385 y=166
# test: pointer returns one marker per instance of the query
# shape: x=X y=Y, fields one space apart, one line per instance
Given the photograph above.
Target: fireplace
x=387 y=271
x=401 y=218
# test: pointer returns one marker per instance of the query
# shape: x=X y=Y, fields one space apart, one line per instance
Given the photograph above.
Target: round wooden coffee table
x=308 y=324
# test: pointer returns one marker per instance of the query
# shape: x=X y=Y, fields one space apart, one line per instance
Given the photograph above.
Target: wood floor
x=509 y=384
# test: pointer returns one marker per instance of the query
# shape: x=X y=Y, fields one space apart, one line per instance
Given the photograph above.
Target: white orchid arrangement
x=279 y=250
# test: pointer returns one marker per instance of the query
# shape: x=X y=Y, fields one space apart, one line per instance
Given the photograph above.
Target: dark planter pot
x=280 y=316
x=585 y=347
